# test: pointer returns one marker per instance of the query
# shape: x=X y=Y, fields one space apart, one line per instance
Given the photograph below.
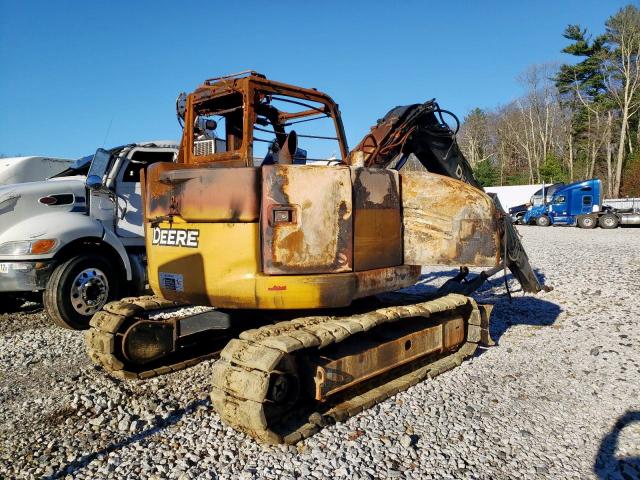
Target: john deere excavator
x=291 y=250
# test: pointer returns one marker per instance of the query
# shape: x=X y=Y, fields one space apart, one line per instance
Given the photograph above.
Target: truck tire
x=543 y=221
x=78 y=288
x=587 y=221
x=608 y=220
x=9 y=302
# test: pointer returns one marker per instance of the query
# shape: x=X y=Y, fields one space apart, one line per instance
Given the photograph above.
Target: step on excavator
x=292 y=245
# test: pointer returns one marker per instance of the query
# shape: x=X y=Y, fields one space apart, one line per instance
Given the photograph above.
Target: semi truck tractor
x=76 y=241
x=541 y=196
x=579 y=203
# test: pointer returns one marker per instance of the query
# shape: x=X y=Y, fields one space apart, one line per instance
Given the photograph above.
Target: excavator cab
x=257 y=121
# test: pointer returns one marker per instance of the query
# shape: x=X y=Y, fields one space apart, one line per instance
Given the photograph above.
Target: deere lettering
x=172 y=237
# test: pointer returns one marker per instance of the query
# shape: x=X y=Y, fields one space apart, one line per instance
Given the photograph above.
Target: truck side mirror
x=94 y=182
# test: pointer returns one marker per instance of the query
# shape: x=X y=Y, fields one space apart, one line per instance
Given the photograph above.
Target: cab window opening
x=279 y=118
x=218 y=125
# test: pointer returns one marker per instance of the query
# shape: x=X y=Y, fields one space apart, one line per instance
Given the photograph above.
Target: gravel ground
x=558 y=397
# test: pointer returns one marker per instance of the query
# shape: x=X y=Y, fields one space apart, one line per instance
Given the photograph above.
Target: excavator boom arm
x=420 y=130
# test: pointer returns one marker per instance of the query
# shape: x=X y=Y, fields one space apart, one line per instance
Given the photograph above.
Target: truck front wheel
x=543 y=221
x=587 y=221
x=78 y=288
x=608 y=220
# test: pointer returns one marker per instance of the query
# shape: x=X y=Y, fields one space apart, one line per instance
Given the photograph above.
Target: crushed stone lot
x=557 y=397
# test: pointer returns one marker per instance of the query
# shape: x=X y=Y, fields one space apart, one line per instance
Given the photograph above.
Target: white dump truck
x=76 y=240
x=30 y=169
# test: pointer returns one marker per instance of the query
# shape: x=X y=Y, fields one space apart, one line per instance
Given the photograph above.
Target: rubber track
x=105 y=325
x=241 y=377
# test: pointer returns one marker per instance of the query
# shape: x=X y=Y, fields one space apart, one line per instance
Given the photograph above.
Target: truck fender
x=110 y=238
x=65 y=227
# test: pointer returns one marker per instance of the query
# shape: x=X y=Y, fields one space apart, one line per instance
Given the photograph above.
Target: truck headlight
x=28 y=247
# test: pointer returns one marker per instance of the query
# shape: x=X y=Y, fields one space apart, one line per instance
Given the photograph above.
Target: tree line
x=574 y=121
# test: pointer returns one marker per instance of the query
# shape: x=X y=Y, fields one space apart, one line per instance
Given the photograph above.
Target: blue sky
x=74 y=73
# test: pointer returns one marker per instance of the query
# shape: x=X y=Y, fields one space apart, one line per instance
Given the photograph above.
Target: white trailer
x=513 y=195
x=30 y=169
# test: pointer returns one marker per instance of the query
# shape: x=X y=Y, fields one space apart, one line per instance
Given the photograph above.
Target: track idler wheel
x=145 y=342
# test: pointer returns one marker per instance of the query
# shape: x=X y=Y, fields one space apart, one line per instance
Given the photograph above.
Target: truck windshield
x=100 y=162
x=79 y=167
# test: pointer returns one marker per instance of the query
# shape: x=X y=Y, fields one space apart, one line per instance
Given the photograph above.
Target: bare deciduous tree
x=622 y=74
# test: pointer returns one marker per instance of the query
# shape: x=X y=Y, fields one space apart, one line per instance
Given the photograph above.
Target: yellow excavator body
x=346 y=233
x=284 y=244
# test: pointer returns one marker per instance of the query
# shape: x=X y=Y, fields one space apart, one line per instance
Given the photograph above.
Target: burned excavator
x=286 y=251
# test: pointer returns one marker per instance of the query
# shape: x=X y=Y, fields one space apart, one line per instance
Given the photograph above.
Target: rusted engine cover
x=228 y=195
x=306 y=219
x=377 y=222
x=447 y=222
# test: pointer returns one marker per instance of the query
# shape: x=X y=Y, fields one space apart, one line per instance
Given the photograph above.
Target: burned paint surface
x=380 y=280
x=204 y=194
x=239 y=97
x=377 y=226
x=157 y=195
x=447 y=222
x=218 y=194
x=383 y=349
x=316 y=235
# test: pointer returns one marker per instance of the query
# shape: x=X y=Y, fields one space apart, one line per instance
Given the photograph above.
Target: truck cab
x=575 y=203
x=76 y=240
x=574 y=200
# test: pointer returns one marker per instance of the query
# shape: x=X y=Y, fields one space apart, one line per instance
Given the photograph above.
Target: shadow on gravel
x=523 y=309
x=30 y=307
x=609 y=467
x=423 y=287
x=81 y=462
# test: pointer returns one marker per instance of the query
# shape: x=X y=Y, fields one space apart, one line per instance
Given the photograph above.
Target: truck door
x=584 y=201
x=129 y=220
x=560 y=210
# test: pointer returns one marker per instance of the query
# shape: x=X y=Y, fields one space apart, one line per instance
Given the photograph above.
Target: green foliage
x=631 y=178
x=596 y=94
x=486 y=173
x=552 y=170
x=476 y=114
x=517 y=178
x=587 y=74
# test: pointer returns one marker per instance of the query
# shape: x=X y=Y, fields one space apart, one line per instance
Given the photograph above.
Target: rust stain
x=342 y=367
x=377 y=218
x=241 y=99
x=320 y=238
x=203 y=194
x=447 y=222
x=372 y=282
